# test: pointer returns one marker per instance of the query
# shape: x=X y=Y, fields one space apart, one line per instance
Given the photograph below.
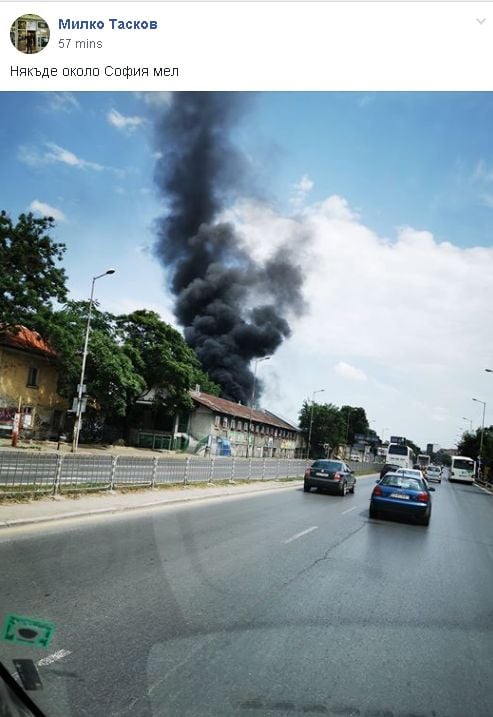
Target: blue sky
x=394 y=189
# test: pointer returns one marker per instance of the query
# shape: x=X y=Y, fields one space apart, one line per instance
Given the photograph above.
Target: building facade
x=220 y=427
x=216 y=426
x=28 y=381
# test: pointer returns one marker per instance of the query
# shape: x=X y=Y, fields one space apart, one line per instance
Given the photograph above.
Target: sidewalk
x=47 y=509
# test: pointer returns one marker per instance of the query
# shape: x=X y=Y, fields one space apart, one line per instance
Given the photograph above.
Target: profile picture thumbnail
x=29 y=34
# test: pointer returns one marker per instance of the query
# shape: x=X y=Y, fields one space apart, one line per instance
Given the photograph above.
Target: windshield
x=464 y=464
x=328 y=465
x=402 y=481
x=398 y=450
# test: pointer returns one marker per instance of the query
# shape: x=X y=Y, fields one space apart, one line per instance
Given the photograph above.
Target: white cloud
x=47 y=210
x=366 y=100
x=55 y=154
x=65 y=156
x=156 y=100
x=351 y=372
x=122 y=122
x=61 y=102
x=411 y=313
x=300 y=190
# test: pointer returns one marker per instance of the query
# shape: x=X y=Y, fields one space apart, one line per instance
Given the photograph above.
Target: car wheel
x=307 y=488
x=373 y=513
x=353 y=488
x=343 y=489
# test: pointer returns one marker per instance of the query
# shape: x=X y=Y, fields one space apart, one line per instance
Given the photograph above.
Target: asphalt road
x=277 y=604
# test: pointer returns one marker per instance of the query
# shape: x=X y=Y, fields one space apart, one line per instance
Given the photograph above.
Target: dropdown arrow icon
x=481 y=20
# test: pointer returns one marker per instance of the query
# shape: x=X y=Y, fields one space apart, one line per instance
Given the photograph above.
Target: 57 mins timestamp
x=65 y=43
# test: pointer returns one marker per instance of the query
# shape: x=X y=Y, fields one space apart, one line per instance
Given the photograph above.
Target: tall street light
x=470 y=422
x=80 y=389
x=257 y=361
x=320 y=390
x=482 y=430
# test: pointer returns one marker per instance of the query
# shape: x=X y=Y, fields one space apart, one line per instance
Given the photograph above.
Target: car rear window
x=327 y=465
x=401 y=481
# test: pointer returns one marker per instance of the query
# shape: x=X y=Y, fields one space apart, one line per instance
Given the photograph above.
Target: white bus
x=462 y=468
x=400 y=455
x=423 y=460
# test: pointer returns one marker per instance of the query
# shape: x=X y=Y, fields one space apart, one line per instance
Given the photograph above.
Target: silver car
x=434 y=473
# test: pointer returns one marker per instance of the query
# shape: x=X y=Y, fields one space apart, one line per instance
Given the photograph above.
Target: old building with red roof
x=29 y=377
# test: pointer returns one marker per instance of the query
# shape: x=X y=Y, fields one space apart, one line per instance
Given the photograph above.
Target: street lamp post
x=257 y=361
x=320 y=390
x=80 y=390
x=470 y=422
x=482 y=432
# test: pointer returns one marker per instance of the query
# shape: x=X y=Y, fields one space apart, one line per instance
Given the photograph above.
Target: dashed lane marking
x=300 y=535
x=349 y=510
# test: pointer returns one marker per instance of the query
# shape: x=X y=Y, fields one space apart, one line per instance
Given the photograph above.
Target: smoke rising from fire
x=232 y=309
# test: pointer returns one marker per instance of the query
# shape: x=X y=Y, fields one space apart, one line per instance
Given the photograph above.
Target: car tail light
x=377 y=490
x=337 y=476
x=423 y=497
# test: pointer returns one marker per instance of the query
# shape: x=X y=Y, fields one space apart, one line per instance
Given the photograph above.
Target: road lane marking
x=349 y=510
x=299 y=535
x=55 y=657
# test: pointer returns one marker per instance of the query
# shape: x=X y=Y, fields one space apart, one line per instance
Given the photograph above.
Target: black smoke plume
x=232 y=309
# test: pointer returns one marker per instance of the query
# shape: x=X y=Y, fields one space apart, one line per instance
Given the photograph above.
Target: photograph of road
x=246 y=452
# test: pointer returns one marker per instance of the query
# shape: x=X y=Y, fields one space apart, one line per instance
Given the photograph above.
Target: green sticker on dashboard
x=22 y=630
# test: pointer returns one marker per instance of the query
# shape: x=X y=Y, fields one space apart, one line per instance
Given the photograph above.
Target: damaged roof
x=238 y=410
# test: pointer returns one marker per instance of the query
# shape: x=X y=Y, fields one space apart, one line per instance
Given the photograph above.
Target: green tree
x=163 y=359
x=327 y=427
x=29 y=275
x=111 y=379
x=471 y=441
x=355 y=421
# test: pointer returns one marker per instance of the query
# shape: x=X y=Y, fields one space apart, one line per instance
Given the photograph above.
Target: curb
x=488 y=488
x=18 y=522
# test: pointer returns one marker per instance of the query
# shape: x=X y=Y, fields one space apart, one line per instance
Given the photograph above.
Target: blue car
x=401 y=495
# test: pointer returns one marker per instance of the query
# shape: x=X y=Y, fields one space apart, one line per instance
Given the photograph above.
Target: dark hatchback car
x=388 y=468
x=402 y=495
x=330 y=475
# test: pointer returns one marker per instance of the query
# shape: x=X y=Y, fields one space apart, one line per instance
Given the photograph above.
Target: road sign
x=75 y=405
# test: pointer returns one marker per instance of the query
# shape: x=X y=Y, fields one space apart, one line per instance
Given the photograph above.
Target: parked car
x=330 y=475
x=387 y=468
x=434 y=473
x=401 y=495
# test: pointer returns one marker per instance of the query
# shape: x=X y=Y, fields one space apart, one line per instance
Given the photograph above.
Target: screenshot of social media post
x=246 y=359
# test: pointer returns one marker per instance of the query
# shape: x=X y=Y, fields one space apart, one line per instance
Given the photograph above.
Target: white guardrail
x=26 y=472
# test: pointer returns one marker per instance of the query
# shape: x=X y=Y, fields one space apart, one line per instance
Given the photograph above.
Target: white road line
x=299 y=535
x=349 y=510
x=55 y=657
x=485 y=490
